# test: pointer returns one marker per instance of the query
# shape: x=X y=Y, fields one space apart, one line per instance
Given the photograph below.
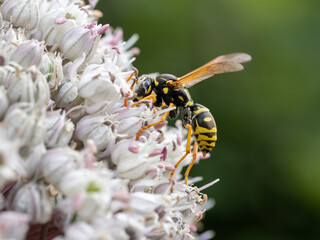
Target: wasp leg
x=187 y=150
x=129 y=78
x=152 y=95
x=163 y=118
x=128 y=94
x=135 y=73
x=163 y=105
x=194 y=156
x=126 y=99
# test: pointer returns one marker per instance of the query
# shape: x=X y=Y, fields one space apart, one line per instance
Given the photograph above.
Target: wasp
x=168 y=90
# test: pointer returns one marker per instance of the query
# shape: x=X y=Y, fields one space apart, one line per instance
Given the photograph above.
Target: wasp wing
x=221 y=64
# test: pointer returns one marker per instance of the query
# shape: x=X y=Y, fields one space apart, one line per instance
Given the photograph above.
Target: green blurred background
x=268 y=150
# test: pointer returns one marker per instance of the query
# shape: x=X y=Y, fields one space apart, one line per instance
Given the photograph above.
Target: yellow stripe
x=187 y=93
x=181 y=98
x=165 y=90
x=155 y=82
x=205 y=147
x=204 y=143
x=207 y=119
x=201 y=130
x=200 y=111
x=139 y=98
x=189 y=104
x=149 y=90
x=205 y=130
x=206 y=138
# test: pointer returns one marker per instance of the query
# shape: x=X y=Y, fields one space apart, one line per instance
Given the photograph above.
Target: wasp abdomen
x=204 y=128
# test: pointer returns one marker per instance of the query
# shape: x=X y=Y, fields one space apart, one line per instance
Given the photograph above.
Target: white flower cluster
x=70 y=166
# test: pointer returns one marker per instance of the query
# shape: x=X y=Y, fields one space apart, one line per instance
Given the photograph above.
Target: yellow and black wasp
x=168 y=90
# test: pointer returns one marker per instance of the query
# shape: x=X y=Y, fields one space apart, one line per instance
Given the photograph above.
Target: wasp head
x=144 y=87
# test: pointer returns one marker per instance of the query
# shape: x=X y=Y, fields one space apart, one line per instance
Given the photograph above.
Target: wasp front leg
x=151 y=96
x=128 y=94
x=163 y=118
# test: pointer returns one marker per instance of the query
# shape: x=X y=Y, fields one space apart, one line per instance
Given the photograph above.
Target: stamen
x=209 y=184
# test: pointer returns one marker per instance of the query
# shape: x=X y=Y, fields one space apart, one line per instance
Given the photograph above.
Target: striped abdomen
x=204 y=128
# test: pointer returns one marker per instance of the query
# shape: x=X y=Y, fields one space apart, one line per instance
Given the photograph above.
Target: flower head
x=69 y=161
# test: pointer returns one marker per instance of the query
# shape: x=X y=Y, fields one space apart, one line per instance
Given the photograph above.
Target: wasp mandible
x=168 y=90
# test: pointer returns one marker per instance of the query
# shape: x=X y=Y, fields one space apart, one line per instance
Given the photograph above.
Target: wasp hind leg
x=163 y=118
x=188 y=150
x=194 y=156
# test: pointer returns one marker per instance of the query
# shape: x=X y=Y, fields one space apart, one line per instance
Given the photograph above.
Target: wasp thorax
x=144 y=88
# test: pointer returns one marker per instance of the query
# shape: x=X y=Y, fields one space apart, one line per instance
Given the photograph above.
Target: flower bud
x=1 y=22
x=59 y=129
x=52 y=27
x=96 y=85
x=80 y=230
x=129 y=126
x=81 y=39
x=13 y=225
x=58 y=162
x=11 y=168
x=91 y=187
x=146 y=203
x=28 y=53
x=52 y=67
x=130 y=121
x=31 y=158
x=94 y=128
x=10 y=35
x=29 y=86
x=22 y=13
x=26 y=123
x=67 y=93
x=4 y=102
x=31 y=198
x=103 y=228
x=123 y=158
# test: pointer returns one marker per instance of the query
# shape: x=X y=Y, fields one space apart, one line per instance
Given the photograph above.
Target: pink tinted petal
x=134 y=147
x=60 y=20
x=103 y=29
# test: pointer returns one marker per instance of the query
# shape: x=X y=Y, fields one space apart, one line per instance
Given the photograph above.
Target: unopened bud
x=32 y=199
x=28 y=53
x=59 y=129
x=51 y=66
x=67 y=93
x=14 y=225
x=57 y=162
x=4 y=102
x=81 y=39
x=22 y=13
x=26 y=123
